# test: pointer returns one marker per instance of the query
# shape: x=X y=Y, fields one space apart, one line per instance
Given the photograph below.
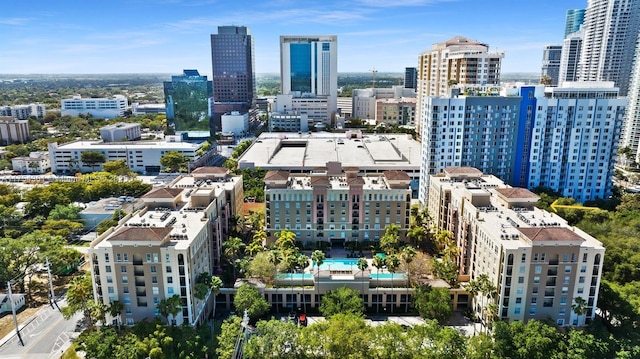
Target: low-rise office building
x=96 y=107
x=140 y=156
x=120 y=132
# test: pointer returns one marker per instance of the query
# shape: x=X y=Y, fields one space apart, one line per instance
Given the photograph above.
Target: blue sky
x=131 y=36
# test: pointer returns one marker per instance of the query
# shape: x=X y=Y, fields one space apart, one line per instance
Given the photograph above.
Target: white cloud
x=15 y=21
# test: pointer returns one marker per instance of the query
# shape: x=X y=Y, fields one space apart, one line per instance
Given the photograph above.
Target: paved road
x=47 y=336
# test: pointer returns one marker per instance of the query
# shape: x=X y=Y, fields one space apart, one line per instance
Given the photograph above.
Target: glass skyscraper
x=189 y=103
x=573 y=20
x=309 y=65
x=233 y=65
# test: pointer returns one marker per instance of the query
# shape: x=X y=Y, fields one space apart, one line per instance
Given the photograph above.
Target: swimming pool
x=388 y=276
x=339 y=264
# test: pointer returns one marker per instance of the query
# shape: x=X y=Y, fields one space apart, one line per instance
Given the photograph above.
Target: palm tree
x=473 y=288
x=170 y=306
x=378 y=262
x=362 y=264
x=317 y=258
x=579 y=307
x=115 y=308
x=491 y=311
x=232 y=249
x=489 y=290
x=275 y=257
x=392 y=263
x=407 y=255
x=215 y=284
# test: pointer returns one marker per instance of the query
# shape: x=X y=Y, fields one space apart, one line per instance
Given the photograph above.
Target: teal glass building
x=189 y=103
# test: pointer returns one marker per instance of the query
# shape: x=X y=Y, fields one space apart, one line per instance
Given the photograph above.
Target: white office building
x=96 y=107
x=309 y=66
x=140 y=156
x=235 y=122
x=120 y=132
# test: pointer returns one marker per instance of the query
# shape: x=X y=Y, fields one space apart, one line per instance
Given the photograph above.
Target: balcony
x=355 y=206
x=320 y=206
x=138 y=272
x=320 y=221
x=551 y=282
x=552 y=271
x=355 y=221
x=320 y=228
x=139 y=282
x=96 y=270
x=141 y=292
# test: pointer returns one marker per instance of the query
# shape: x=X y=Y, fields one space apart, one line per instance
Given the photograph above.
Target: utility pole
x=373 y=77
x=52 y=298
x=13 y=310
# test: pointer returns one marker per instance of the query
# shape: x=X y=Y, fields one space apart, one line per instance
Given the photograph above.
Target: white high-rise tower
x=610 y=33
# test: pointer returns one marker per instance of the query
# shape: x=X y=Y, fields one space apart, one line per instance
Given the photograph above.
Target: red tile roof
x=550 y=234
x=152 y=234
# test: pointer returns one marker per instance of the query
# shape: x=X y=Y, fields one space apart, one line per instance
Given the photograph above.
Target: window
x=109 y=279
x=168 y=269
x=567 y=269
x=167 y=258
x=170 y=290
x=520 y=290
x=125 y=279
x=532 y=311
x=155 y=257
x=518 y=300
x=148 y=257
x=110 y=290
x=563 y=300
x=155 y=290
x=169 y=280
x=154 y=280
x=125 y=290
x=520 y=280
x=536 y=280
x=154 y=269
x=108 y=269
x=538 y=269
x=534 y=300
x=123 y=269
x=581 y=280
x=106 y=257
x=516 y=310
x=118 y=257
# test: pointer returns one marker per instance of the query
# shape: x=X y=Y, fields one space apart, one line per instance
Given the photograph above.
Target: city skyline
x=166 y=36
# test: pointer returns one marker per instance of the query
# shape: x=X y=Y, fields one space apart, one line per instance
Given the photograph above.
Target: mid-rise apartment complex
x=13 y=130
x=538 y=263
x=335 y=204
x=456 y=61
x=557 y=137
x=96 y=107
x=160 y=251
x=23 y=112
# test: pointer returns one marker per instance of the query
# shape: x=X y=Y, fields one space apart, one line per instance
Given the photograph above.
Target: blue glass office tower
x=573 y=20
x=189 y=103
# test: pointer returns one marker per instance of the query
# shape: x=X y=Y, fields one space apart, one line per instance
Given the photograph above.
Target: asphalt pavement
x=48 y=335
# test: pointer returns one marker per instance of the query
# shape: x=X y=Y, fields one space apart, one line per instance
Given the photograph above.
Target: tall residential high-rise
x=573 y=20
x=189 y=102
x=411 y=78
x=631 y=127
x=309 y=68
x=557 y=137
x=610 y=33
x=456 y=61
x=570 y=58
x=551 y=55
x=233 y=65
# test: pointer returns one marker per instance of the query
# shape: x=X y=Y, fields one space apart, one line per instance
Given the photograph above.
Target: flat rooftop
x=84 y=145
x=292 y=151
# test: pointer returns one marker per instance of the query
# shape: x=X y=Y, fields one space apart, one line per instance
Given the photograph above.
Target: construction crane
x=373 y=77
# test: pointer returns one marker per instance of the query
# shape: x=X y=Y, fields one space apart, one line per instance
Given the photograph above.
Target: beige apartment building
x=460 y=61
x=538 y=262
x=160 y=250
x=334 y=204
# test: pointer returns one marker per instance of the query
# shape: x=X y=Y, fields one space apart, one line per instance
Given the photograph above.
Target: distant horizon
x=209 y=75
x=165 y=36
